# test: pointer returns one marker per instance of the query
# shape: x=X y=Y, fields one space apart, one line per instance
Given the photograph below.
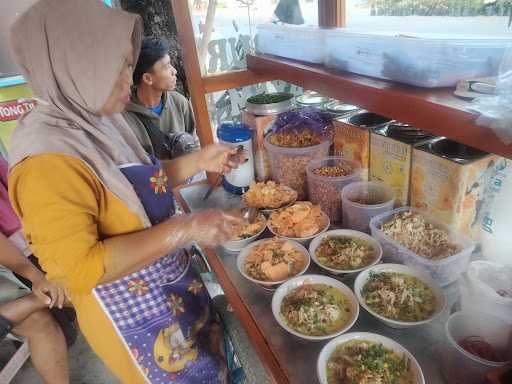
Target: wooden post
x=332 y=13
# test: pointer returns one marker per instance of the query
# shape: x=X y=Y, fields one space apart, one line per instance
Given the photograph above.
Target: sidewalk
x=84 y=366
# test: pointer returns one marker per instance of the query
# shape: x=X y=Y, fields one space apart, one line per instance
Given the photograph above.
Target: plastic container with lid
x=364 y=200
x=444 y=271
x=304 y=43
x=266 y=104
x=239 y=180
x=312 y=99
x=425 y=60
x=460 y=366
x=288 y=165
x=340 y=109
x=325 y=190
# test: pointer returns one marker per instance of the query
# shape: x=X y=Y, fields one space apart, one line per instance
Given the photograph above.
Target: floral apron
x=162 y=312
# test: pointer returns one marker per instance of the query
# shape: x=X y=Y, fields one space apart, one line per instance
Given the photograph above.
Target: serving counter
x=286 y=358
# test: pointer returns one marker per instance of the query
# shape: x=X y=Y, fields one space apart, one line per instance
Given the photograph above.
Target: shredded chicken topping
x=399 y=296
x=344 y=253
x=413 y=232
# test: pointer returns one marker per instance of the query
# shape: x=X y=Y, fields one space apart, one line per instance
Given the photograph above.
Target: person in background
x=23 y=313
x=289 y=12
x=98 y=211
x=161 y=118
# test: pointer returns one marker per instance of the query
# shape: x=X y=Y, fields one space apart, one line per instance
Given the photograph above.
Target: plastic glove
x=213 y=227
x=132 y=252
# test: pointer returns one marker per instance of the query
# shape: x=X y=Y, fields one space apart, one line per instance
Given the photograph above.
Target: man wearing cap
x=161 y=118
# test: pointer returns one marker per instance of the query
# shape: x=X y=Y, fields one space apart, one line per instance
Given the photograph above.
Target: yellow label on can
x=390 y=162
x=352 y=143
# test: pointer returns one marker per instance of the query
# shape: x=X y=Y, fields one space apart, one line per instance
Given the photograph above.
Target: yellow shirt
x=66 y=213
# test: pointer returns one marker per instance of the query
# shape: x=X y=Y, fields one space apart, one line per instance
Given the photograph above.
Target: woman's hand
x=52 y=294
x=220 y=158
x=213 y=227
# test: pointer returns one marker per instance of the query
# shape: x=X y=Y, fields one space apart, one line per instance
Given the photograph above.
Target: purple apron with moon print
x=162 y=312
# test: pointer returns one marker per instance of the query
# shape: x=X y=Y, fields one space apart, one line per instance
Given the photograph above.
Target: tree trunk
x=207 y=32
x=159 y=22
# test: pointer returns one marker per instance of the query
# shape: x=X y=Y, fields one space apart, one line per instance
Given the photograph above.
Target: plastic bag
x=487 y=287
x=300 y=118
x=496 y=111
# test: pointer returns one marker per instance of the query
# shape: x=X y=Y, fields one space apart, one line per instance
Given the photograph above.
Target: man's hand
x=52 y=294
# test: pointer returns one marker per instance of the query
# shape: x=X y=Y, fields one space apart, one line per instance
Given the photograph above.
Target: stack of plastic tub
x=303 y=43
x=425 y=60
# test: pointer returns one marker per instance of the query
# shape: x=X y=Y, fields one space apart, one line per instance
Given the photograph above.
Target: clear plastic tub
x=460 y=366
x=444 y=271
x=325 y=190
x=357 y=215
x=288 y=165
x=305 y=43
x=425 y=60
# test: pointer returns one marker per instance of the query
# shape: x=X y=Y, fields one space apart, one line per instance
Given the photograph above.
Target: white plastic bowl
x=240 y=263
x=398 y=268
x=238 y=245
x=321 y=366
x=461 y=366
x=346 y=233
x=291 y=284
x=301 y=240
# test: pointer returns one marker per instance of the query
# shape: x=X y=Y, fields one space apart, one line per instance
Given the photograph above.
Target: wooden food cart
x=286 y=358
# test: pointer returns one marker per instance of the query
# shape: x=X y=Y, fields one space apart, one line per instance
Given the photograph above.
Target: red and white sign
x=13 y=110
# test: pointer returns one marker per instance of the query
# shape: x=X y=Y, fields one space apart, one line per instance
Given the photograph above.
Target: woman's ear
x=147 y=78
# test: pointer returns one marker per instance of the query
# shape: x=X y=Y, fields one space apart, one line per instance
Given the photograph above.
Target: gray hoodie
x=176 y=117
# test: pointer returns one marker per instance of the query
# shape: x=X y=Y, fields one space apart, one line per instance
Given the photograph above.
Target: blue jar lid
x=234 y=132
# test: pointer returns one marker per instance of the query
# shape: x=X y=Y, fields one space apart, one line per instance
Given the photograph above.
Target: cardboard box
x=260 y=125
x=352 y=137
x=448 y=181
x=391 y=157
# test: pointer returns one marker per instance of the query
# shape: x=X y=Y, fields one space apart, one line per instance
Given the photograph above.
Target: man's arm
x=13 y=259
x=50 y=294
